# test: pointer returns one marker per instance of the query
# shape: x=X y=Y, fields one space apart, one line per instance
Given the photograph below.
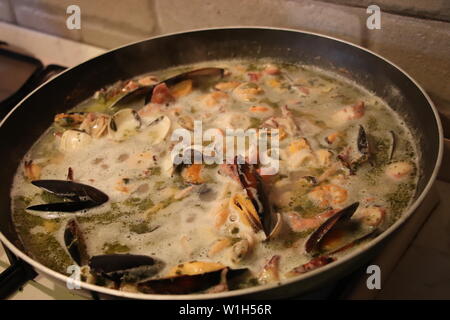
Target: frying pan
x=33 y=115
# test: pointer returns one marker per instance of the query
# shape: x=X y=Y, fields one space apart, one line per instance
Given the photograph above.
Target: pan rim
x=240 y=292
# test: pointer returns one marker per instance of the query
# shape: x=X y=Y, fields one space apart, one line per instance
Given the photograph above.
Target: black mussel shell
x=75 y=244
x=82 y=196
x=256 y=191
x=125 y=267
x=185 y=284
x=313 y=242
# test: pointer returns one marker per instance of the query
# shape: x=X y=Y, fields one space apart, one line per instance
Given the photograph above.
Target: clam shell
x=73 y=140
x=124 y=123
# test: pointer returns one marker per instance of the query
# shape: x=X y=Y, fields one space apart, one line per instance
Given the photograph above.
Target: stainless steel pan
x=28 y=120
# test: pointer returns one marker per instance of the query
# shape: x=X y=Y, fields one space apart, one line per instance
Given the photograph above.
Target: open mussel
x=254 y=187
x=393 y=144
x=345 y=229
x=189 y=79
x=75 y=244
x=122 y=268
x=353 y=161
x=190 y=277
x=81 y=195
x=313 y=244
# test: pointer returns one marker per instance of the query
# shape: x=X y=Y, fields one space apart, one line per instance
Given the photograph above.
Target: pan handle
x=14 y=277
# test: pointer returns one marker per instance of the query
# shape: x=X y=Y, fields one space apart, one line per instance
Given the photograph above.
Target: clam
x=156 y=129
x=82 y=196
x=190 y=277
x=95 y=124
x=353 y=161
x=123 y=124
x=73 y=140
x=242 y=249
x=177 y=84
x=124 y=268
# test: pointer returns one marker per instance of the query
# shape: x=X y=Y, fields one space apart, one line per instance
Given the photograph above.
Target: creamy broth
x=181 y=215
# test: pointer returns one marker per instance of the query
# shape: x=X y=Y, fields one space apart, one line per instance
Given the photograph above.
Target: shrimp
x=193 y=174
x=222 y=212
x=329 y=194
x=353 y=112
x=270 y=272
x=226 y=86
x=399 y=170
x=218 y=246
x=299 y=224
x=32 y=171
x=214 y=98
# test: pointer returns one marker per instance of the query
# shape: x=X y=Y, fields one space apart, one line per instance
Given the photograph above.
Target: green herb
x=255 y=122
x=115 y=247
x=372 y=123
x=141 y=204
x=140 y=228
x=400 y=198
x=270 y=103
x=156 y=171
x=48 y=197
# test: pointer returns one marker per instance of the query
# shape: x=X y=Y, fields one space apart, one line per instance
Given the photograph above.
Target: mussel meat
x=353 y=162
